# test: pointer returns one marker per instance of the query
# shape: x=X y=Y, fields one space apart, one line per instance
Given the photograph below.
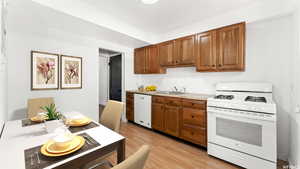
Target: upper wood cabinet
x=166 y=53
x=185 y=51
x=206 y=51
x=231 y=47
x=140 y=61
x=222 y=49
x=146 y=61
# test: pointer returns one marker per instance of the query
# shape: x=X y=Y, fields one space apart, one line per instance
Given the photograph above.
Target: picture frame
x=44 y=71
x=71 y=72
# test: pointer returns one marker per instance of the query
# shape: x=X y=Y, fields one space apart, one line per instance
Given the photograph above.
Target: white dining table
x=15 y=139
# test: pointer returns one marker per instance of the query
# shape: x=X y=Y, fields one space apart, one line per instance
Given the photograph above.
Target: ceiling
x=165 y=15
x=29 y=17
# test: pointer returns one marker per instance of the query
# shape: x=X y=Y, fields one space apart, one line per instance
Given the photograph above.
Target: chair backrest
x=34 y=105
x=111 y=115
x=136 y=161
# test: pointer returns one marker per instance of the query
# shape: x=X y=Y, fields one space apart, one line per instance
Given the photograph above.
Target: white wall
x=268 y=54
x=3 y=68
x=103 y=76
x=294 y=156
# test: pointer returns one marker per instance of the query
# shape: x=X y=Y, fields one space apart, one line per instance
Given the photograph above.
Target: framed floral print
x=44 y=70
x=71 y=72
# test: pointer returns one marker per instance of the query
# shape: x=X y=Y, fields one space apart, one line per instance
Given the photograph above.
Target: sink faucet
x=176 y=90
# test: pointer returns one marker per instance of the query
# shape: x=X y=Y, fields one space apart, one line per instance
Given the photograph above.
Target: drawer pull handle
x=193 y=116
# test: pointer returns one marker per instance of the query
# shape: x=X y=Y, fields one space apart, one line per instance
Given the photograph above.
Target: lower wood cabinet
x=129 y=106
x=194 y=134
x=172 y=120
x=182 y=118
x=158 y=116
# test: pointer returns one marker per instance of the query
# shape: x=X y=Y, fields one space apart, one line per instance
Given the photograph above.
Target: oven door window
x=240 y=131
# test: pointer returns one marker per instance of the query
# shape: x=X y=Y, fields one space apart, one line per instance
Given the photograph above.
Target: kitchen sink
x=171 y=92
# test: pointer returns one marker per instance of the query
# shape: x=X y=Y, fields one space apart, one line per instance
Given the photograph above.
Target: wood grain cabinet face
x=172 y=120
x=185 y=51
x=158 y=116
x=146 y=61
x=206 y=51
x=140 y=61
x=152 y=63
x=166 y=53
x=231 y=45
x=129 y=106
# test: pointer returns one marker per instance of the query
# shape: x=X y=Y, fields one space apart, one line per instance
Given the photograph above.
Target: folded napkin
x=73 y=115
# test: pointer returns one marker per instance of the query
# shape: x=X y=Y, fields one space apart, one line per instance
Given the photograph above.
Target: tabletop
x=15 y=139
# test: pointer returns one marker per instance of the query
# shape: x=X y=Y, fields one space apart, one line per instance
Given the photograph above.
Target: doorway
x=111 y=77
x=115 y=78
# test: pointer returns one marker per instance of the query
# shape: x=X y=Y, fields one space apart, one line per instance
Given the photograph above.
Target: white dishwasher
x=142 y=109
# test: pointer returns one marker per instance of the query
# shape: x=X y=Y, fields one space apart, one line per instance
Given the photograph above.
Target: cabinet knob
x=193 y=116
x=220 y=65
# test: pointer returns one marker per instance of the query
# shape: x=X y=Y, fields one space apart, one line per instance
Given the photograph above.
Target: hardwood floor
x=167 y=152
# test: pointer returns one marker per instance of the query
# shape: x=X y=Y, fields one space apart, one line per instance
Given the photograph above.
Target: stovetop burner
x=255 y=99
x=224 y=97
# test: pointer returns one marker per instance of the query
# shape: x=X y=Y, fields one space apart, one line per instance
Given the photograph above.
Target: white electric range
x=242 y=125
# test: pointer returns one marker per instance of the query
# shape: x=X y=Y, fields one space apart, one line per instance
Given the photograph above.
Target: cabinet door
x=206 y=51
x=172 y=120
x=140 y=61
x=166 y=53
x=185 y=51
x=152 y=63
x=158 y=116
x=231 y=47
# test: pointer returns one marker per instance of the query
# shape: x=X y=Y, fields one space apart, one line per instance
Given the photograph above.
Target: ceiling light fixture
x=149 y=1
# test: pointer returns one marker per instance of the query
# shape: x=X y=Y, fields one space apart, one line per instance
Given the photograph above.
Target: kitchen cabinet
x=158 y=116
x=140 y=61
x=146 y=61
x=206 y=51
x=166 y=53
x=172 y=120
x=194 y=121
x=218 y=50
x=221 y=49
x=231 y=47
x=182 y=118
x=130 y=106
x=184 y=54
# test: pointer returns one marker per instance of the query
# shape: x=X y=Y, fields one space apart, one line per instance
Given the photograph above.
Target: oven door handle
x=239 y=118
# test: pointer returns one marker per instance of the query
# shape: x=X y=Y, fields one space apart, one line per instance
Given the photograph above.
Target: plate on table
x=79 y=122
x=52 y=148
x=45 y=147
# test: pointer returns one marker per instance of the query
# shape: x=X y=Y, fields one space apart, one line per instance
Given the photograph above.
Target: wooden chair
x=111 y=115
x=34 y=105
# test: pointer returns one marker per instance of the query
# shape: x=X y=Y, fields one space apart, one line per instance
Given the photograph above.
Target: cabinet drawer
x=173 y=101
x=194 y=117
x=196 y=135
x=158 y=99
x=196 y=104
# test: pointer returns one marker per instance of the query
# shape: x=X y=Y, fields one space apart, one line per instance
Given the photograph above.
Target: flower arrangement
x=47 y=70
x=51 y=112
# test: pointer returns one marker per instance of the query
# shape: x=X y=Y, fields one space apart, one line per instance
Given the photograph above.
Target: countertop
x=184 y=95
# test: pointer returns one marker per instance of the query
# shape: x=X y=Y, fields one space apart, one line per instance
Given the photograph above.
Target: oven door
x=250 y=136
